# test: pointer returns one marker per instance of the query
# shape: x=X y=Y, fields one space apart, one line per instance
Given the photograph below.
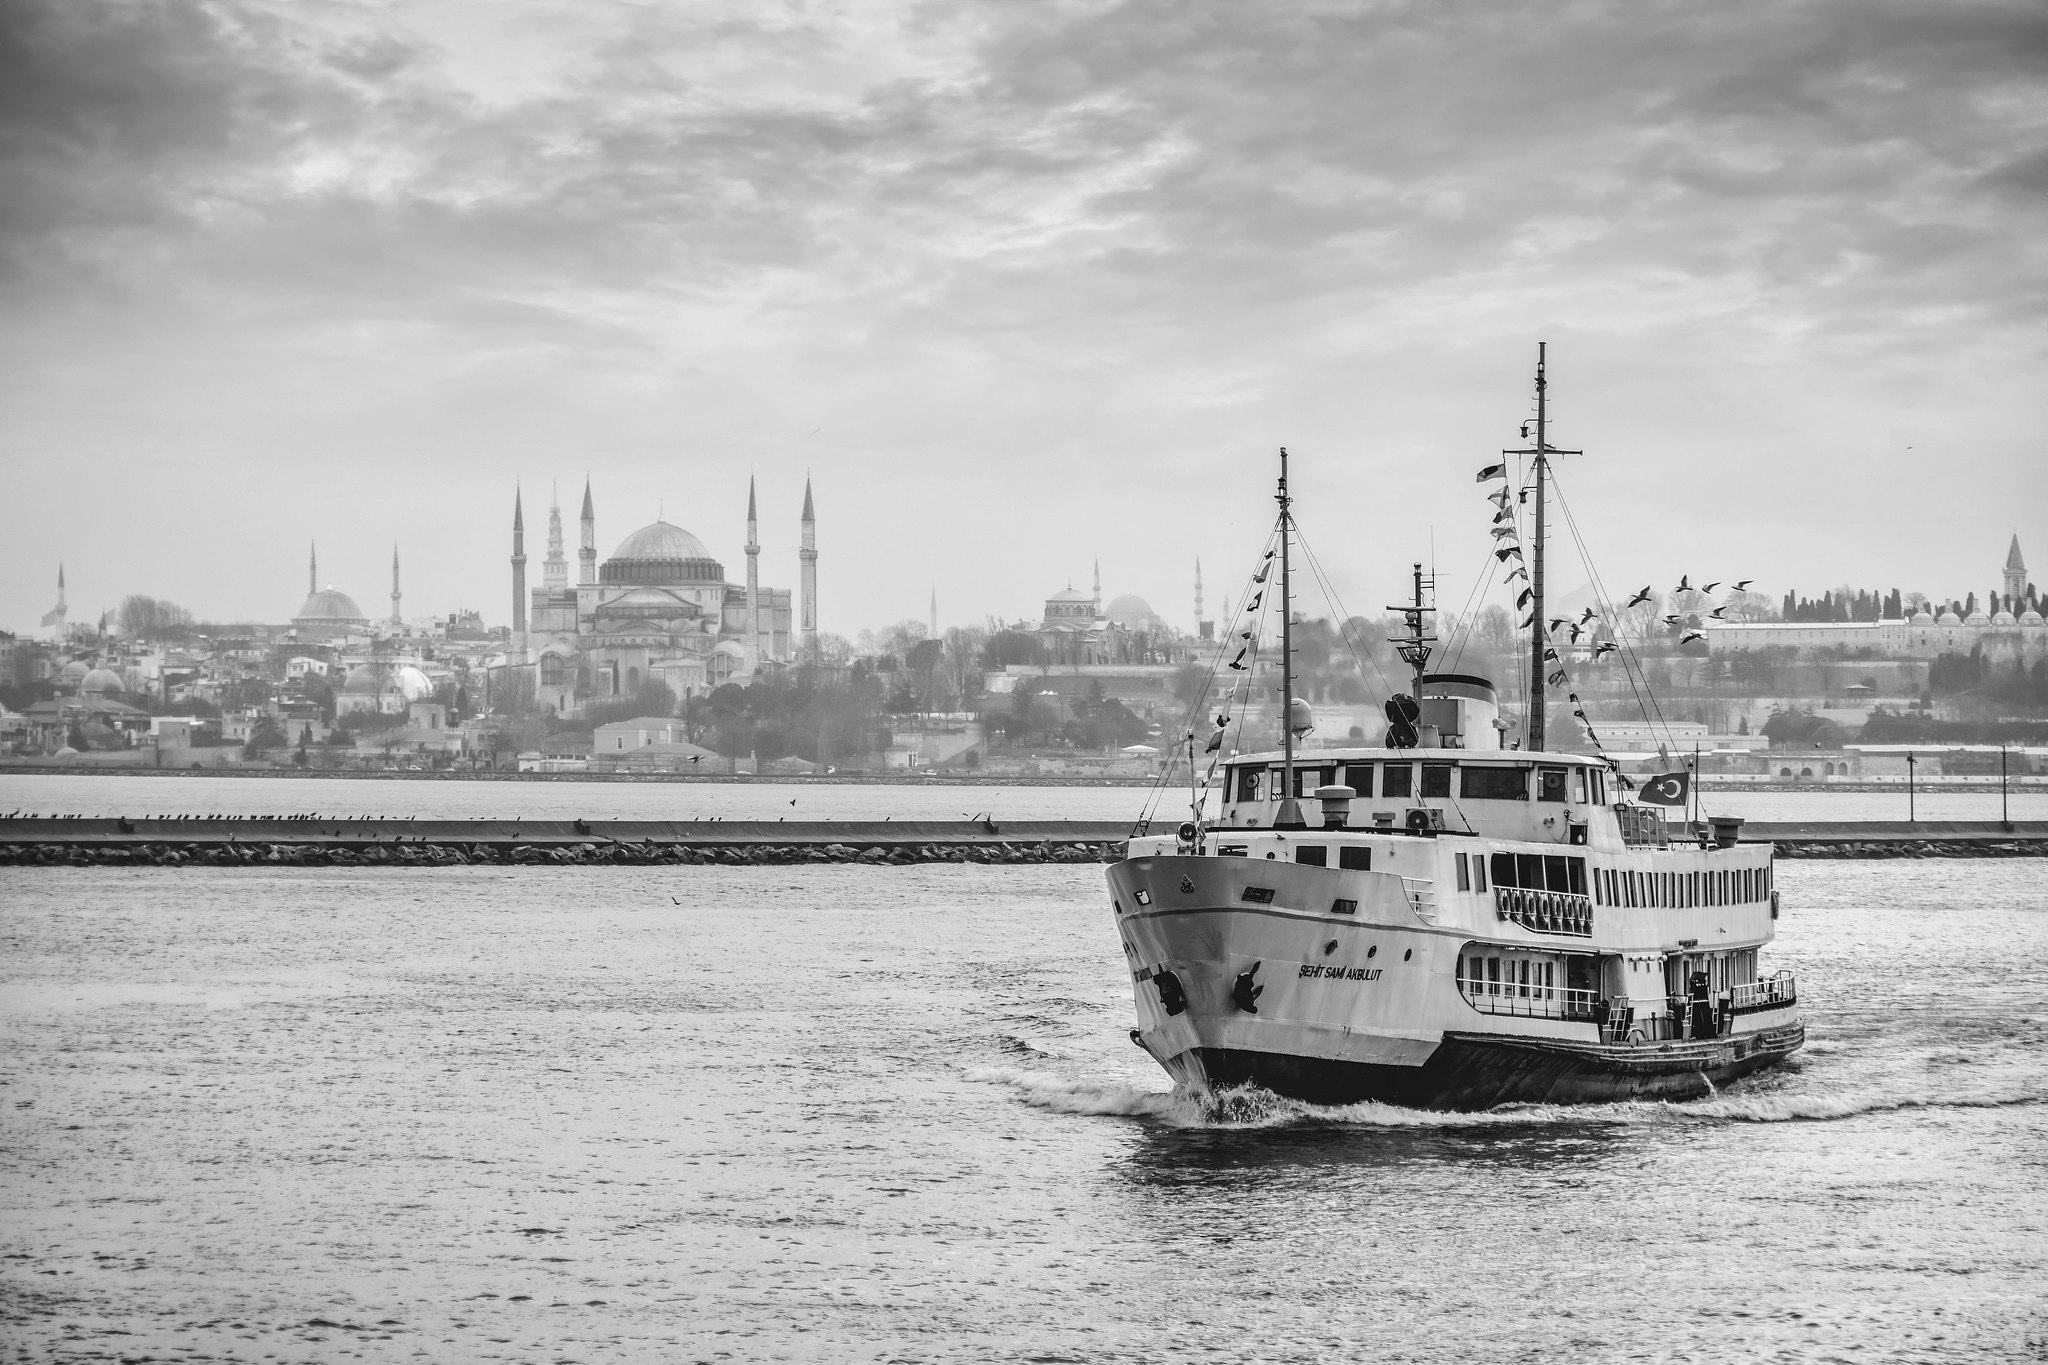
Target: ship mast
x=1536 y=630
x=1286 y=638
x=1540 y=462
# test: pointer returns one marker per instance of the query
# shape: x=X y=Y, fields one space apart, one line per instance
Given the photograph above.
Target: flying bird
x=1692 y=635
x=1576 y=631
x=1743 y=586
x=1607 y=648
x=1672 y=620
x=1684 y=583
x=1711 y=586
x=1557 y=621
x=1716 y=612
x=1640 y=597
x=1587 y=616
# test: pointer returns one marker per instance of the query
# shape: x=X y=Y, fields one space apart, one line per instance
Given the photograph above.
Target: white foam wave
x=1248 y=1107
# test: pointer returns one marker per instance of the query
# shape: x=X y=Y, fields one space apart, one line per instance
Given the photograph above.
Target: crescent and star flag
x=1493 y=471
x=1667 y=789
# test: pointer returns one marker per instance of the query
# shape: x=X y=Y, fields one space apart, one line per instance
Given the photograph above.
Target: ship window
x=1314 y=855
x=1494 y=784
x=1556 y=876
x=1354 y=858
x=1529 y=871
x=1258 y=895
x=1343 y=907
x=1306 y=780
x=1493 y=976
x=1522 y=971
x=1599 y=787
x=1400 y=780
x=1464 y=874
x=1579 y=785
x=1550 y=784
x=1436 y=779
x=1575 y=868
x=1358 y=777
x=1504 y=869
x=1248 y=784
x=1478 y=872
x=1276 y=784
x=1234 y=851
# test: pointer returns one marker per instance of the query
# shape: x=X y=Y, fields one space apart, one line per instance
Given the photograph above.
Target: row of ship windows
x=1558 y=784
x=1523 y=977
x=1549 y=872
x=1678 y=890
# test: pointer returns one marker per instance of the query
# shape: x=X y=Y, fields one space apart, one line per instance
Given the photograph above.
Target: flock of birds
x=1574 y=629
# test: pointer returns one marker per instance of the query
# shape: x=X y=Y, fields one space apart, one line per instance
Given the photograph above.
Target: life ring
x=1636 y=1037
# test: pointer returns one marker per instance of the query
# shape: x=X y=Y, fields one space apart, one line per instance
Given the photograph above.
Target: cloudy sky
x=1020 y=284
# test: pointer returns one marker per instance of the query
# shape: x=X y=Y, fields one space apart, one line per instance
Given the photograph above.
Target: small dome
x=2004 y=618
x=2030 y=617
x=413 y=683
x=101 y=680
x=1949 y=618
x=329 y=605
x=73 y=672
x=361 y=678
x=1923 y=617
x=364 y=680
x=1977 y=618
x=1071 y=595
x=661 y=541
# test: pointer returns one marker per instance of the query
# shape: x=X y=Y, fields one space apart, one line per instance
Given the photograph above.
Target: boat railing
x=1641 y=826
x=1421 y=894
x=1771 y=993
x=1529 y=1002
x=1545 y=912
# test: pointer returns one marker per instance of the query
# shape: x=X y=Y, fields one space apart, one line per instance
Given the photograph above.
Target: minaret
x=312 y=568
x=56 y=615
x=554 y=574
x=1098 y=587
x=518 y=649
x=396 y=619
x=587 y=555
x=1201 y=631
x=809 y=555
x=753 y=579
x=2015 y=570
x=935 y=613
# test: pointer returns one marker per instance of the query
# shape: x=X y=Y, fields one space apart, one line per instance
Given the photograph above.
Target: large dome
x=1130 y=610
x=329 y=605
x=661 y=554
x=661 y=541
x=101 y=680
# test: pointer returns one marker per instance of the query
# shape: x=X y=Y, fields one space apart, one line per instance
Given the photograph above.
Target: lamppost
x=1910 y=760
x=2004 y=811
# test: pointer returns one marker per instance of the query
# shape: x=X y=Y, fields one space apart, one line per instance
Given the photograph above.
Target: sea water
x=853 y=1113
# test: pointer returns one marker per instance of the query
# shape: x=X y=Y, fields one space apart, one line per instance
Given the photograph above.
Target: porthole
x=1410 y=953
x=1329 y=947
x=1373 y=951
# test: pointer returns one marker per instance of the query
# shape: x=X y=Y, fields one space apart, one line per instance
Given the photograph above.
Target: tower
x=55 y=615
x=554 y=573
x=809 y=555
x=1203 y=629
x=396 y=619
x=586 y=554
x=1098 y=587
x=518 y=647
x=2015 y=571
x=935 y=614
x=312 y=569
x=753 y=579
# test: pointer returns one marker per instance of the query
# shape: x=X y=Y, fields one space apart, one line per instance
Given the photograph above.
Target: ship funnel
x=1336 y=805
x=1458 y=712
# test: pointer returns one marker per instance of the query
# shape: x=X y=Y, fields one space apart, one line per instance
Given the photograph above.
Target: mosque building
x=330 y=614
x=659 y=609
x=1078 y=630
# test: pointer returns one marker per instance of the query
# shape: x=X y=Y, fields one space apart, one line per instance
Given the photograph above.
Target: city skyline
x=1024 y=287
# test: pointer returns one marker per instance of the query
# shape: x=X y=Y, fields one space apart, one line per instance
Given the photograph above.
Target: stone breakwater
x=249 y=854
x=222 y=841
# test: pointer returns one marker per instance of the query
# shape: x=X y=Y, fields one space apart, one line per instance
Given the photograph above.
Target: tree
x=265 y=737
x=149 y=619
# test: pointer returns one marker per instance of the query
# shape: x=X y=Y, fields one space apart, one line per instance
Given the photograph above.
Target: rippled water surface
x=849 y=1113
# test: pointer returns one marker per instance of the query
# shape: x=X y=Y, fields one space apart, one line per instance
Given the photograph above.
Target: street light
x=2004 y=812
x=1910 y=760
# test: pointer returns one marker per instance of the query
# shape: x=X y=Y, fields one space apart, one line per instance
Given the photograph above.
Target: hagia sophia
x=659 y=610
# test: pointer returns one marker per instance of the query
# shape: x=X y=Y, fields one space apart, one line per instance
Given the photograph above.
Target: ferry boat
x=1444 y=922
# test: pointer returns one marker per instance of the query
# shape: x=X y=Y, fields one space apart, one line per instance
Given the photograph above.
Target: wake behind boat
x=1443 y=922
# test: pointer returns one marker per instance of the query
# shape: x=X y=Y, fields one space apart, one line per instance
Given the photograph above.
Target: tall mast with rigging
x=1537 y=633
x=1286 y=637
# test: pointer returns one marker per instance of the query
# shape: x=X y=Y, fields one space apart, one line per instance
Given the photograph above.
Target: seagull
x=1576 y=632
x=1711 y=586
x=1589 y=615
x=1640 y=597
x=1557 y=621
x=1692 y=635
x=1672 y=620
x=1684 y=583
x=1607 y=648
x=1743 y=586
x=1716 y=612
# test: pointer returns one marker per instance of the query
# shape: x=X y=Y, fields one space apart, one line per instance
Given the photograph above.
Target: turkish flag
x=1666 y=789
